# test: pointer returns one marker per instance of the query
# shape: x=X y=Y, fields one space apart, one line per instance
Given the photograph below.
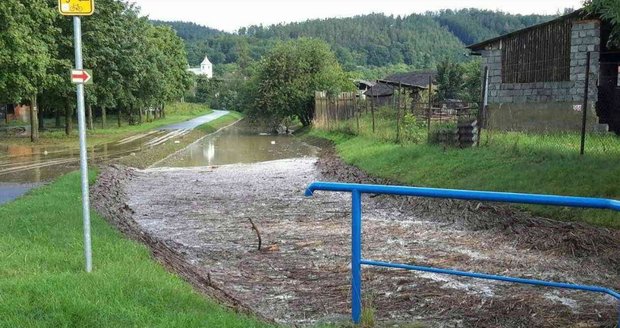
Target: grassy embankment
x=150 y=156
x=44 y=284
x=513 y=162
x=175 y=113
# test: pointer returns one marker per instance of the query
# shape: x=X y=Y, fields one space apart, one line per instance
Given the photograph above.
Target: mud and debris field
x=199 y=222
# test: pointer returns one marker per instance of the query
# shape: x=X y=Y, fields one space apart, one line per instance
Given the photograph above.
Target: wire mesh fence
x=567 y=118
x=400 y=118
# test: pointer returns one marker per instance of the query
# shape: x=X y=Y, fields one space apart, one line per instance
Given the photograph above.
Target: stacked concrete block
x=585 y=37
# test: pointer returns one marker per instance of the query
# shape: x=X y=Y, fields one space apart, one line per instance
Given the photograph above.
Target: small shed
x=380 y=94
x=537 y=76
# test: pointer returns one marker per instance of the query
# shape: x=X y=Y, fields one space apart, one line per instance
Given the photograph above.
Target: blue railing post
x=356 y=257
x=357 y=190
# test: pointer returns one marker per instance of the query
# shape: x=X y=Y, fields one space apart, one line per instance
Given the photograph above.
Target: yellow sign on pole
x=76 y=7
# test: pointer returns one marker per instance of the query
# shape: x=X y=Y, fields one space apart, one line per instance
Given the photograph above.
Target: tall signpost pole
x=88 y=252
x=77 y=8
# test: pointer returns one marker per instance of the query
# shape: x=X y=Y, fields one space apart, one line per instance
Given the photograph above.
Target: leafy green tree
x=290 y=74
x=207 y=89
x=449 y=79
x=137 y=65
x=608 y=10
x=25 y=41
x=102 y=33
x=472 y=81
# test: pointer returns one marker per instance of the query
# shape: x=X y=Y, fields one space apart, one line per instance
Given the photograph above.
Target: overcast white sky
x=230 y=15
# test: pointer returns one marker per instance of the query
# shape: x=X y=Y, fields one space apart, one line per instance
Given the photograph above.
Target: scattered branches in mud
x=255 y=228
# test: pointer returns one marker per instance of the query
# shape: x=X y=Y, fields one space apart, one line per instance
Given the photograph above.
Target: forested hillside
x=417 y=41
x=474 y=25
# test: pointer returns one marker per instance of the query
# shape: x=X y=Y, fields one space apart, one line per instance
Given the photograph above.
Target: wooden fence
x=333 y=109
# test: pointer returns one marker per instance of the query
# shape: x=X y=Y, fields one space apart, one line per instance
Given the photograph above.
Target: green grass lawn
x=43 y=283
x=175 y=113
x=513 y=162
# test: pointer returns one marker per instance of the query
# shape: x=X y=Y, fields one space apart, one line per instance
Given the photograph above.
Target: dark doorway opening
x=608 y=105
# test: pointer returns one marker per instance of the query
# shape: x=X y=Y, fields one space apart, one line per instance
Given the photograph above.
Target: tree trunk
x=119 y=117
x=140 y=113
x=6 y=114
x=103 y=117
x=68 y=119
x=91 y=126
x=163 y=110
x=34 y=119
x=57 y=124
x=40 y=120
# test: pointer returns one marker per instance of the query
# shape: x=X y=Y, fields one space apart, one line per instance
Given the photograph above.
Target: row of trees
x=136 y=65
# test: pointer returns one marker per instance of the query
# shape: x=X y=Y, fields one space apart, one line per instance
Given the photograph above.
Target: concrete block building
x=537 y=76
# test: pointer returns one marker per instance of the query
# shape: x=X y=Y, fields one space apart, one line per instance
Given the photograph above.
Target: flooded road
x=23 y=167
x=239 y=144
x=198 y=121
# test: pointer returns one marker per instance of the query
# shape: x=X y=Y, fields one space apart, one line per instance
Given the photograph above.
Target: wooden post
x=357 y=115
x=372 y=110
x=430 y=105
x=398 y=113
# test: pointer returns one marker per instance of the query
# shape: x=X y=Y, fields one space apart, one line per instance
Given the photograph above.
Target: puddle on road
x=239 y=144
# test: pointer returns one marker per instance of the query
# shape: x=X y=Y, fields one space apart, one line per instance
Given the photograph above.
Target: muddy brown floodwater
x=23 y=167
x=197 y=221
x=238 y=144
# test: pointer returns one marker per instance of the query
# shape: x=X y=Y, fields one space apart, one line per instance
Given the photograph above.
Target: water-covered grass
x=151 y=156
x=43 y=283
x=514 y=162
x=177 y=112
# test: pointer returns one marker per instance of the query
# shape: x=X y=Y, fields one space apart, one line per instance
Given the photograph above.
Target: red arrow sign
x=80 y=76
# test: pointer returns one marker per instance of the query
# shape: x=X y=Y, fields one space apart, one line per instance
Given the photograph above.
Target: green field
x=44 y=284
x=513 y=162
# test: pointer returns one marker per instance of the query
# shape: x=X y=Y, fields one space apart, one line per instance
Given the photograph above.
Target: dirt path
x=198 y=222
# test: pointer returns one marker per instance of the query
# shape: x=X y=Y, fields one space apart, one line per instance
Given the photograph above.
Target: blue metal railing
x=357 y=261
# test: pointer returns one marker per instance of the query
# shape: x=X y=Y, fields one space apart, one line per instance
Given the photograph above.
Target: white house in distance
x=206 y=68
